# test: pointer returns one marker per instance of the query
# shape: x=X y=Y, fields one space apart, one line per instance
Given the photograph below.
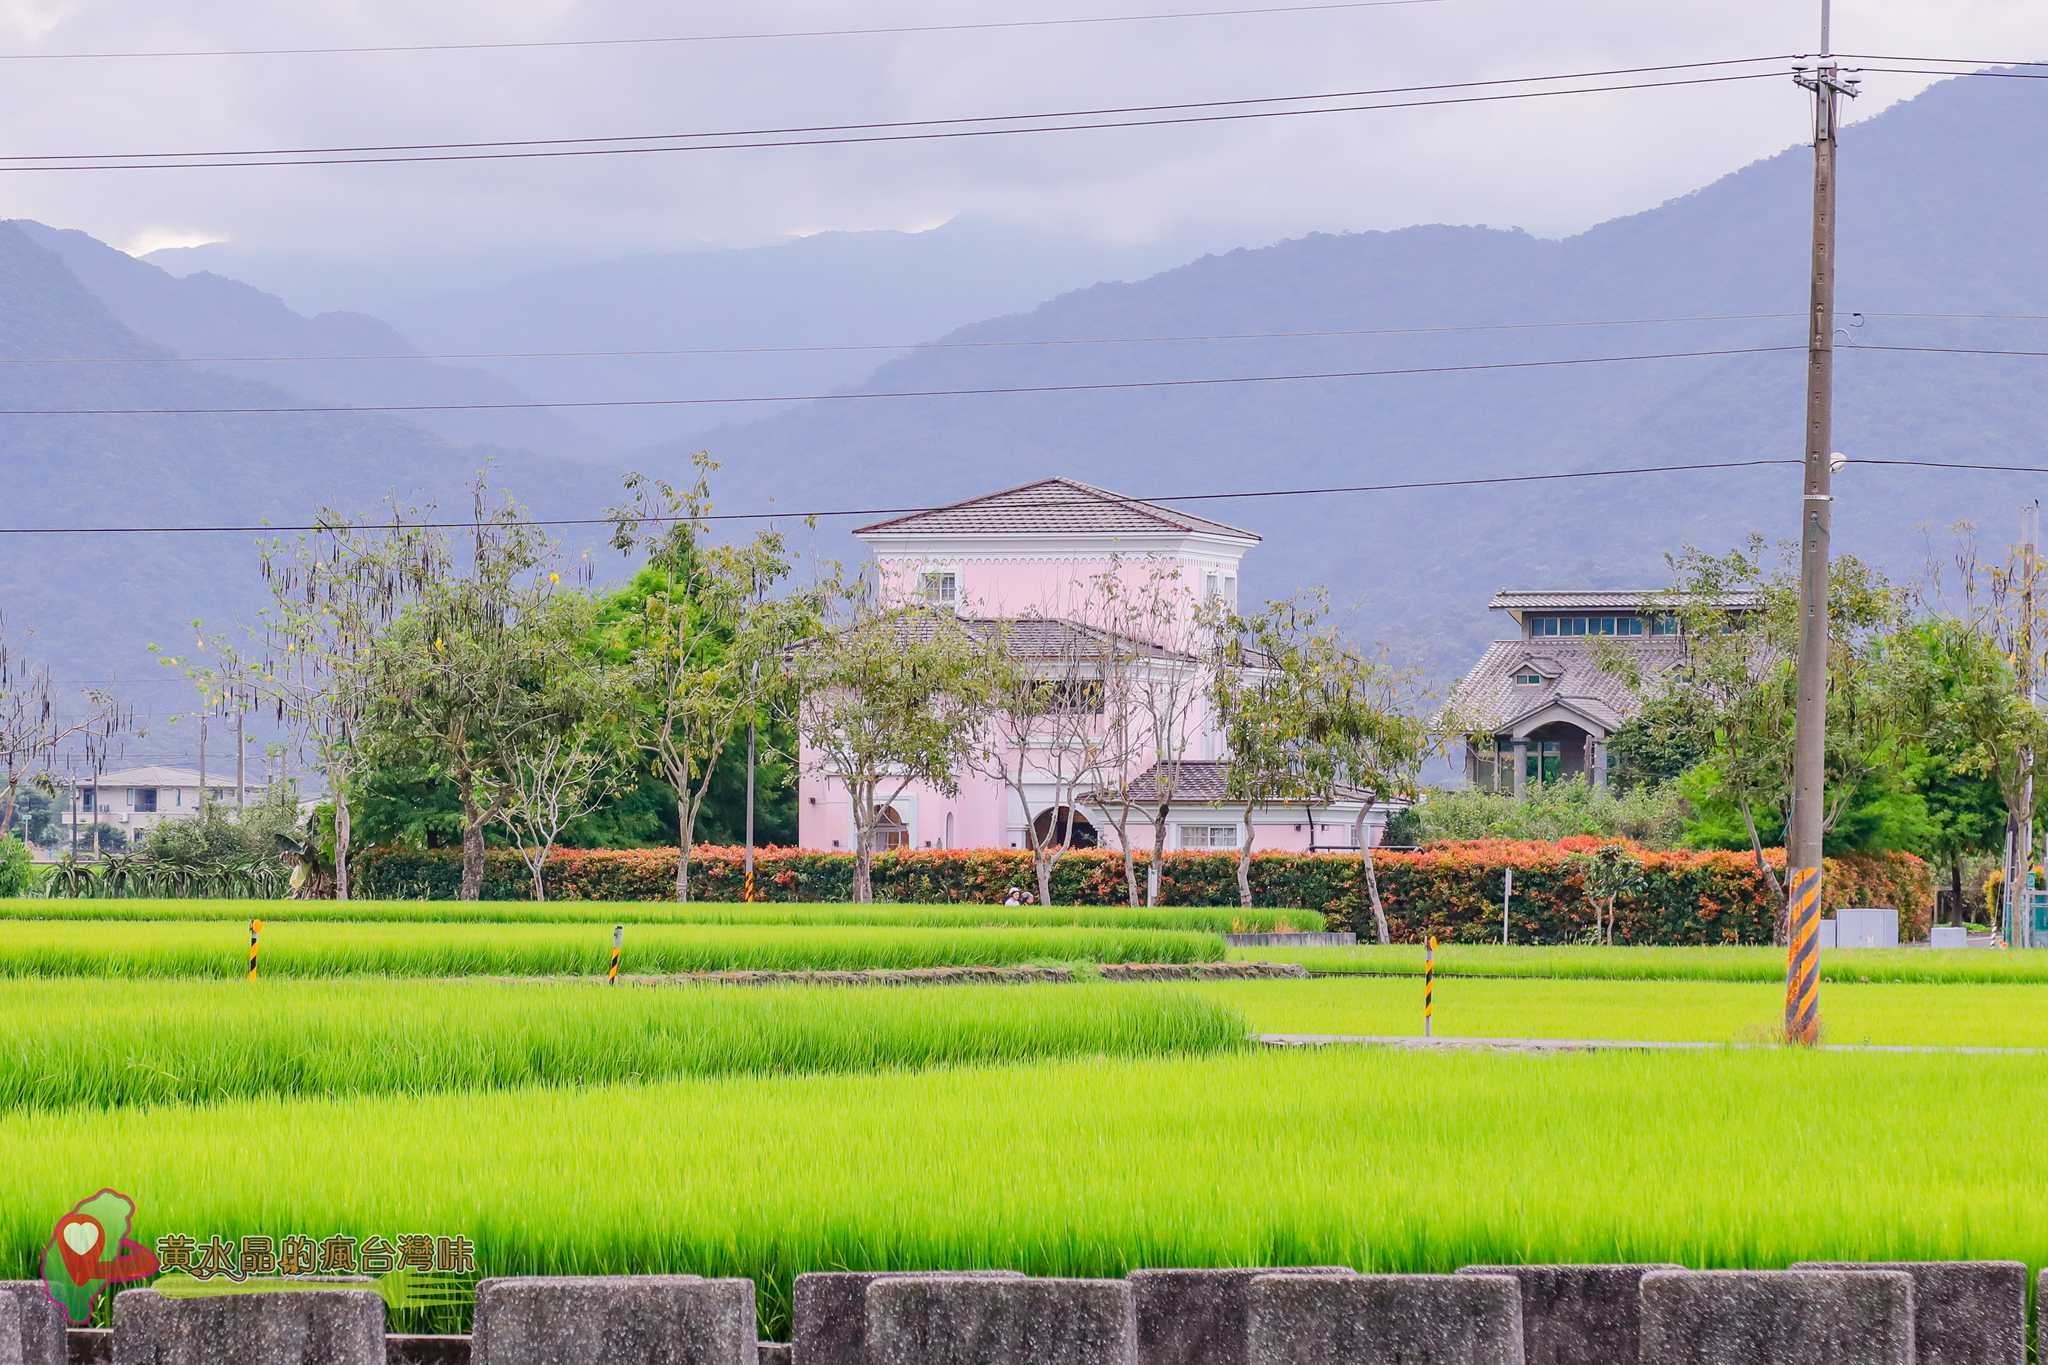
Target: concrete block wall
x=1948 y=1313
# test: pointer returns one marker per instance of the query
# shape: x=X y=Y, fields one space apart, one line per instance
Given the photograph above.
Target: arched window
x=890 y=829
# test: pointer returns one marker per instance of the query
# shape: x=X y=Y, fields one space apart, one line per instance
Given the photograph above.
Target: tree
x=1656 y=745
x=702 y=652
x=309 y=659
x=886 y=700
x=1155 y=660
x=459 y=681
x=31 y=728
x=565 y=766
x=1038 y=683
x=1608 y=873
x=1732 y=696
x=1265 y=673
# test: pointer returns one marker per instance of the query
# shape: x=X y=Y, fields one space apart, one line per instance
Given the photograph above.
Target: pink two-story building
x=1039 y=557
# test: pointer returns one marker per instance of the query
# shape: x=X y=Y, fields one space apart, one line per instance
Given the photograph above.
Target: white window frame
x=1207 y=839
x=929 y=571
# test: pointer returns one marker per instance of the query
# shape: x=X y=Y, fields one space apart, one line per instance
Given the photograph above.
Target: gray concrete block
x=1948 y=936
x=976 y=1320
x=774 y=1353
x=1578 y=1314
x=291 y=1327
x=614 y=1320
x=1199 y=1317
x=1866 y=927
x=1777 y=1317
x=1384 y=1320
x=829 y=1312
x=1964 y=1312
x=31 y=1325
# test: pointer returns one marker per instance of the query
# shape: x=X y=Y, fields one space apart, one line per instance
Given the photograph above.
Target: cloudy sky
x=1551 y=166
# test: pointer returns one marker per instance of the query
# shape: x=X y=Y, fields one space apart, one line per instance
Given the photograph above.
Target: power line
x=825 y=514
x=1008 y=390
x=942 y=136
x=1920 y=57
x=1296 y=334
x=1937 y=71
x=1097 y=112
x=892 y=30
x=1022 y=342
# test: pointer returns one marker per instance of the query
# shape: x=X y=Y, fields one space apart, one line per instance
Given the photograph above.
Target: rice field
x=1094 y=1166
x=1945 y=1015
x=183 y=1042
x=1197 y=919
x=1953 y=966
x=150 y=948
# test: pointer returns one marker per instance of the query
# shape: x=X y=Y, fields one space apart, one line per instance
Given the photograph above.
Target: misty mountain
x=94 y=603
x=208 y=318
x=805 y=301
x=1931 y=222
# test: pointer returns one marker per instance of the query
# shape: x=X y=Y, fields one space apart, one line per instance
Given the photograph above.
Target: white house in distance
x=1030 y=555
x=137 y=800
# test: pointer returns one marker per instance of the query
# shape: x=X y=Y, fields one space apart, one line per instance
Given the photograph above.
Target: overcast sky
x=1551 y=166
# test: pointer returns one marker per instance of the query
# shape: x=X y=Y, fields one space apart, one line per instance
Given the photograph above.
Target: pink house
x=1068 y=566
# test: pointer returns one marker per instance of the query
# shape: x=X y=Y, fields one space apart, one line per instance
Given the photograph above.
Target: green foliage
x=410 y=1038
x=1654 y=747
x=1654 y=815
x=16 y=870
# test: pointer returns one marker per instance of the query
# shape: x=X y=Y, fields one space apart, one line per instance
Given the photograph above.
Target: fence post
x=618 y=940
x=255 y=928
x=1507 y=893
x=1429 y=990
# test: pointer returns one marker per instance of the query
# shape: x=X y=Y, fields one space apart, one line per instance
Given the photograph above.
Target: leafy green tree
x=1733 y=696
x=1608 y=873
x=1656 y=745
x=701 y=653
x=887 y=699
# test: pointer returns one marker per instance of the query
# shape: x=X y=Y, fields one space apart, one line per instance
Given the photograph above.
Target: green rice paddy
x=1205 y=920
x=291 y=949
x=1088 y=1128
x=1374 y=1159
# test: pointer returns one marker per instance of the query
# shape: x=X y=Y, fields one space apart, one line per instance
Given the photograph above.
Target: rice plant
x=220 y=948
x=1665 y=964
x=167 y=1042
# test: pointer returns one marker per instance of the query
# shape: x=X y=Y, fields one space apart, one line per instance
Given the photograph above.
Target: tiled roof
x=1053 y=506
x=1029 y=637
x=158 y=777
x=1601 y=599
x=1203 y=781
x=1489 y=699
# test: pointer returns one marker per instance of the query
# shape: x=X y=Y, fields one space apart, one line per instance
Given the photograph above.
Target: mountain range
x=1933 y=222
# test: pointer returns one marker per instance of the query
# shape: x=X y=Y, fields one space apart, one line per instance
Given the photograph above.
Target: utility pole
x=203 y=807
x=241 y=765
x=1809 y=726
x=2019 y=878
x=753 y=703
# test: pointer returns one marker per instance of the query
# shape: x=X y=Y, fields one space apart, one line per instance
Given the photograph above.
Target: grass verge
x=1665 y=964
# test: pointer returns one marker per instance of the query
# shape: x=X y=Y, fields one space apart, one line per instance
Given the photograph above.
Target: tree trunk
x=1041 y=868
x=1955 y=887
x=1244 y=863
x=1152 y=887
x=1123 y=840
x=1372 y=880
x=539 y=869
x=342 y=828
x=1781 y=921
x=472 y=841
x=684 y=831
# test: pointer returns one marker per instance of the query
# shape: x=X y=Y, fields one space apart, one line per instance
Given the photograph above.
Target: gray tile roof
x=1600 y=599
x=1029 y=637
x=1489 y=698
x=1053 y=506
x=1203 y=781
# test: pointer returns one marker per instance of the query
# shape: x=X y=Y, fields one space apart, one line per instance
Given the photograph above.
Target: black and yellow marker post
x=618 y=940
x=255 y=928
x=1429 y=990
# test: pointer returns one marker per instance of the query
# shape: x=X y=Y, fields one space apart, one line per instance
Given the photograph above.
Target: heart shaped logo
x=81 y=1235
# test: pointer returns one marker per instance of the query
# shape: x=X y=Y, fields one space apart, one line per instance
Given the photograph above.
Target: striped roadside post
x=255 y=928
x=618 y=940
x=1802 y=957
x=1429 y=990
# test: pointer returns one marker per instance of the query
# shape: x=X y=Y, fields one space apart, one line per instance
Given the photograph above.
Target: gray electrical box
x=1866 y=928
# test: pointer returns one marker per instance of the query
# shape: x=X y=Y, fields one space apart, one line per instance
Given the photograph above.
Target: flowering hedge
x=1452 y=890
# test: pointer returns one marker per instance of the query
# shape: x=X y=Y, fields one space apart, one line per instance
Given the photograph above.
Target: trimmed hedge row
x=1453 y=891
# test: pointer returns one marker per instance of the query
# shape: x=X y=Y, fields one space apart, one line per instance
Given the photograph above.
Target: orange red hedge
x=1453 y=890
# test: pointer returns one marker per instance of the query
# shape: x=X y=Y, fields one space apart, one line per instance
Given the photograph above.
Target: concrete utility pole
x=204 y=806
x=2019 y=878
x=241 y=765
x=1809 y=726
